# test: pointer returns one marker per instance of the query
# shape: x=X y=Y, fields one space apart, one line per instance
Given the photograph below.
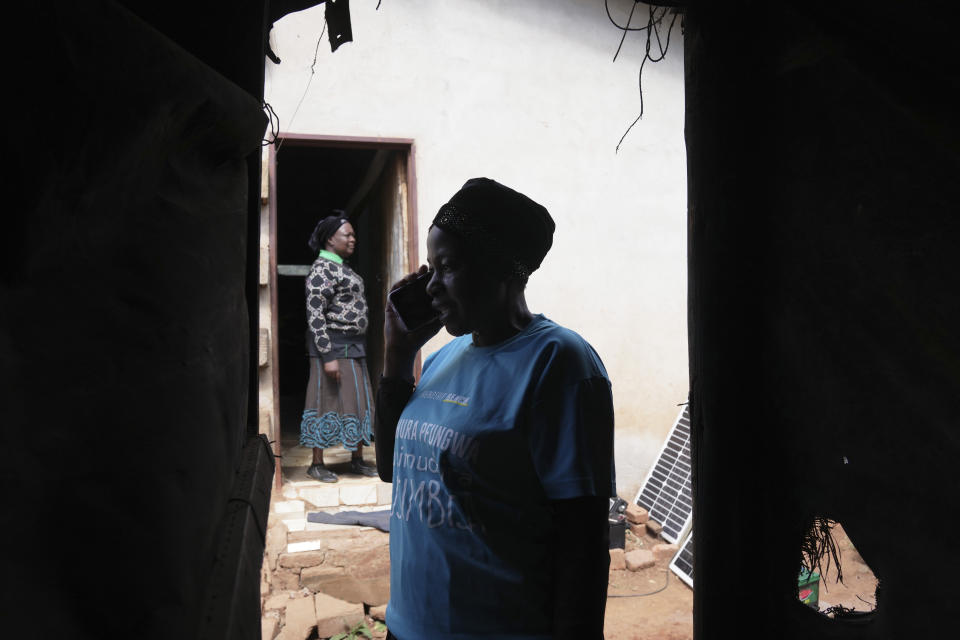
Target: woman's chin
x=454 y=328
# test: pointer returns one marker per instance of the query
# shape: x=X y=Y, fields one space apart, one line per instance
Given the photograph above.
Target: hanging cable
x=273 y=124
x=627 y=27
x=316 y=52
x=663 y=45
x=666 y=583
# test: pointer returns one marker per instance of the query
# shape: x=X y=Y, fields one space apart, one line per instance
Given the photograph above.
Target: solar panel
x=682 y=563
x=666 y=493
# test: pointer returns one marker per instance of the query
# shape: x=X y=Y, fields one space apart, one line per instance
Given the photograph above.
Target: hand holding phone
x=410 y=321
x=413 y=304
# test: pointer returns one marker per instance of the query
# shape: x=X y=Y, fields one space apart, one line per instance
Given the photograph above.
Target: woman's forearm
x=393 y=393
x=581 y=571
x=398 y=363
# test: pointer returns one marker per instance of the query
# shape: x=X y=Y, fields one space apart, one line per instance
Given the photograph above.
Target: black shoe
x=321 y=473
x=357 y=465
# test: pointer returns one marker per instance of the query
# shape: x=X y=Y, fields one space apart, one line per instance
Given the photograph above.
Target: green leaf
x=379 y=626
x=339 y=636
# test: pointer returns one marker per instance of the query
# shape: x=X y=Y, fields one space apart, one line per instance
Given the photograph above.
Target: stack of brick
x=654 y=528
x=294 y=615
x=664 y=552
x=637 y=518
x=639 y=523
x=319 y=580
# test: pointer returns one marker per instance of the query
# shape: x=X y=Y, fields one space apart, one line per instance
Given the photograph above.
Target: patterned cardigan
x=336 y=305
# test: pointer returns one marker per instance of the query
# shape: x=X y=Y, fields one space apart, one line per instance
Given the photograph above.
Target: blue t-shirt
x=490 y=436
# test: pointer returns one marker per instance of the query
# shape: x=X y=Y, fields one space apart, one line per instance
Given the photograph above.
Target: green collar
x=331 y=256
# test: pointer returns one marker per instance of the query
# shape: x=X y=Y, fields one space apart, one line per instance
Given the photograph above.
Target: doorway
x=372 y=181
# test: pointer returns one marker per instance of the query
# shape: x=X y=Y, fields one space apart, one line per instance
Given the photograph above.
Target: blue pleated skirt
x=338 y=414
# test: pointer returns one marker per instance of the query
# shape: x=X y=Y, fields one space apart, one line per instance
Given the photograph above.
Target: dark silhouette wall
x=822 y=150
x=126 y=327
x=825 y=360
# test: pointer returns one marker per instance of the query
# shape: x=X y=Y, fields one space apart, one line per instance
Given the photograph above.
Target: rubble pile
x=318 y=581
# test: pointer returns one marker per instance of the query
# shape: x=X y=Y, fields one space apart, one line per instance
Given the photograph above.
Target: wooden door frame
x=413 y=259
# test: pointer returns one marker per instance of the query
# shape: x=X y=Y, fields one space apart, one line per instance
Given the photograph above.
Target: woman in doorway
x=501 y=457
x=337 y=410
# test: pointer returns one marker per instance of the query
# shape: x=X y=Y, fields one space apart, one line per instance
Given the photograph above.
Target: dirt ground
x=651 y=603
x=667 y=614
x=656 y=603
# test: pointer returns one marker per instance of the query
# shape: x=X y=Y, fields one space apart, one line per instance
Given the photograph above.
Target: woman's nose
x=433 y=284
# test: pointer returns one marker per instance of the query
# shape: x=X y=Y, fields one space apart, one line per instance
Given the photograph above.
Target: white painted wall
x=526 y=92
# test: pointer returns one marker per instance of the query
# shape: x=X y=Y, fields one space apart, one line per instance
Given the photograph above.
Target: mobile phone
x=412 y=303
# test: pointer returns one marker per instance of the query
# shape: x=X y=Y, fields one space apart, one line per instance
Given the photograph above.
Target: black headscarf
x=325 y=230
x=502 y=224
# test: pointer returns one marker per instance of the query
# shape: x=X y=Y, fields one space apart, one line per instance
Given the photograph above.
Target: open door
x=372 y=181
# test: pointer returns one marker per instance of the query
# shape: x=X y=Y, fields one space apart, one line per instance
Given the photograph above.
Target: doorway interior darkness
x=372 y=181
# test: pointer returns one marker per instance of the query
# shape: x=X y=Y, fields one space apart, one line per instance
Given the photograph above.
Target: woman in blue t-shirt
x=501 y=457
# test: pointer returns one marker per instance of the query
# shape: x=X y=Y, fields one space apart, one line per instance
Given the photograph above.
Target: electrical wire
x=273 y=124
x=316 y=52
x=663 y=46
x=627 y=27
x=666 y=583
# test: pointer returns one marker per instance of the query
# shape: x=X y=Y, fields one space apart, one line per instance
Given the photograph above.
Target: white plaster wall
x=526 y=92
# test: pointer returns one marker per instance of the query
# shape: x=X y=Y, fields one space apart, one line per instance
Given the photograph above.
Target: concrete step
x=349 y=490
x=315 y=536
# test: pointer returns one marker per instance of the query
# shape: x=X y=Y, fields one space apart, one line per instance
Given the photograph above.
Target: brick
x=314 y=578
x=371 y=591
x=664 y=551
x=639 y=559
x=637 y=529
x=301 y=559
x=384 y=493
x=266 y=577
x=289 y=491
x=358 y=494
x=636 y=514
x=292 y=521
x=333 y=616
x=286 y=579
x=321 y=496
x=362 y=561
x=276 y=542
x=289 y=506
x=653 y=528
x=357 y=538
x=279 y=601
x=268 y=627
x=617 y=561
x=329 y=536
x=299 y=547
x=301 y=619
x=379 y=613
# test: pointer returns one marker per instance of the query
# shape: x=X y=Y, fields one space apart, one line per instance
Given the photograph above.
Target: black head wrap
x=325 y=230
x=504 y=225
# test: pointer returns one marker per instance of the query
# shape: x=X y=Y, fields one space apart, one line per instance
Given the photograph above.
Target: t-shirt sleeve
x=571 y=438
